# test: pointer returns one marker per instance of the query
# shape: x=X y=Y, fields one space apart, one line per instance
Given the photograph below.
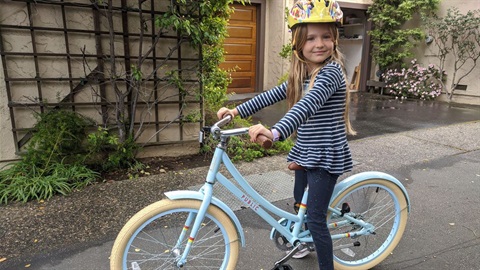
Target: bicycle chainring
x=281 y=242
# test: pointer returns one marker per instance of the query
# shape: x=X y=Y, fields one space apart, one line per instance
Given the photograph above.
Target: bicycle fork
x=196 y=219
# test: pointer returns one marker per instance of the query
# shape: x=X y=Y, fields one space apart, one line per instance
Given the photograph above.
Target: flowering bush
x=414 y=82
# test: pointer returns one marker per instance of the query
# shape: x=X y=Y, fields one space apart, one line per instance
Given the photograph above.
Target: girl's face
x=318 y=45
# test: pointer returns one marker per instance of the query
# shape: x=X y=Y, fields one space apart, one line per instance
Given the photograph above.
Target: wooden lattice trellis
x=56 y=54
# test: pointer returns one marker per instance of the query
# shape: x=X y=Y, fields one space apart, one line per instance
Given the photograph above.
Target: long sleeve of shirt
x=263 y=100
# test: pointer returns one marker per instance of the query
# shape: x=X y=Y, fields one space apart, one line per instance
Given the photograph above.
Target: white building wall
x=277 y=34
x=7 y=146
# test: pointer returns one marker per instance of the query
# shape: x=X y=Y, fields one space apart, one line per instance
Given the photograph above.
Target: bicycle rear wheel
x=380 y=203
x=149 y=237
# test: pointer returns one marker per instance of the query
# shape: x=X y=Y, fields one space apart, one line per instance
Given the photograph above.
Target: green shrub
x=53 y=162
x=106 y=153
x=415 y=81
x=58 y=137
x=24 y=182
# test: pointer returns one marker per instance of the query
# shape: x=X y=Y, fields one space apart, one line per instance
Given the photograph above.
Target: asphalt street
x=432 y=148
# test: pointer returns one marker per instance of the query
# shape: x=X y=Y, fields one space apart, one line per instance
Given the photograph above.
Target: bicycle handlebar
x=262 y=140
x=222 y=122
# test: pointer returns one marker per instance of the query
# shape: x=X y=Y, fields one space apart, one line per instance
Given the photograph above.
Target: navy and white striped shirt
x=317 y=117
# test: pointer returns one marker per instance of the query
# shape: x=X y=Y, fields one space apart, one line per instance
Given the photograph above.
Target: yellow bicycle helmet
x=314 y=11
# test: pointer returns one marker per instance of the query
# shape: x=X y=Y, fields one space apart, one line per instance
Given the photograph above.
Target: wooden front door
x=240 y=49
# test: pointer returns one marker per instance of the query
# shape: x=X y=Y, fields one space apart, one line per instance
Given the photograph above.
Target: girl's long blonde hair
x=298 y=69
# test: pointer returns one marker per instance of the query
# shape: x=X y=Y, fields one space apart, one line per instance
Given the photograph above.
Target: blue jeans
x=321 y=184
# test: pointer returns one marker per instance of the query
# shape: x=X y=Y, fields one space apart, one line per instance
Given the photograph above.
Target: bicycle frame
x=257 y=202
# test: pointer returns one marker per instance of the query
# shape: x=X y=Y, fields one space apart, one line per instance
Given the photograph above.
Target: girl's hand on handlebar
x=226 y=111
x=257 y=130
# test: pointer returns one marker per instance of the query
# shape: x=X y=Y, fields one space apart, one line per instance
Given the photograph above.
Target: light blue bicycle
x=195 y=230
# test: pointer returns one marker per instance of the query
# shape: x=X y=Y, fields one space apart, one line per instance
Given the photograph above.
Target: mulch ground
x=158 y=165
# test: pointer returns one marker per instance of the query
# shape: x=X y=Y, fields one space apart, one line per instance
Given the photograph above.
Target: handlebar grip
x=264 y=141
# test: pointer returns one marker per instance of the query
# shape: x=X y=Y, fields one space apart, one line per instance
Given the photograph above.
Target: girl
x=318 y=113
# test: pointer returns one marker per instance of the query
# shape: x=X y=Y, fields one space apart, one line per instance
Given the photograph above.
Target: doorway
x=241 y=49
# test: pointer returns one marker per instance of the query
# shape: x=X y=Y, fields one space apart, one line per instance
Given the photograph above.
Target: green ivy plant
x=210 y=32
x=391 y=40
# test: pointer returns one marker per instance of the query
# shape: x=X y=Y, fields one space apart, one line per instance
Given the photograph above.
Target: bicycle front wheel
x=149 y=239
x=378 y=202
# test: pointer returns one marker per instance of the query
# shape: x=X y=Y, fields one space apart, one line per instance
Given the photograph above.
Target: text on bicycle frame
x=250 y=202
